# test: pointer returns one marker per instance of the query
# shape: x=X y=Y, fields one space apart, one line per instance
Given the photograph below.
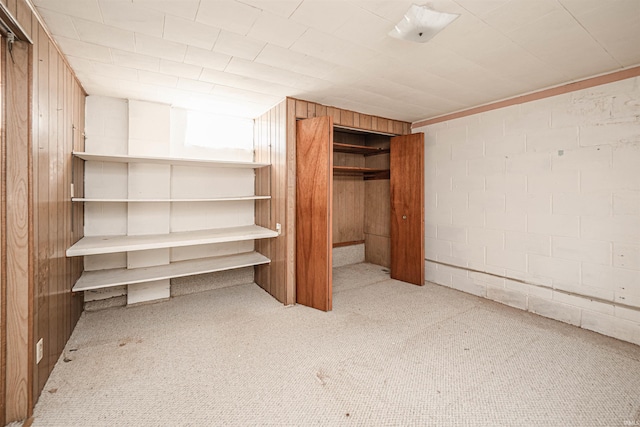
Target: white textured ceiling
x=240 y=57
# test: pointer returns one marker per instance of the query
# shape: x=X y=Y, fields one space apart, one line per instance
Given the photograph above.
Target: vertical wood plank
x=366 y=122
x=19 y=357
x=314 y=170
x=346 y=118
x=54 y=274
x=3 y=236
x=311 y=109
x=301 y=109
x=321 y=110
x=23 y=16
x=334 y=113
x=288 y=120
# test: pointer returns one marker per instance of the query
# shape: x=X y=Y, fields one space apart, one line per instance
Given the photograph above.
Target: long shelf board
x=358 y=149
x=122 y=276
x=167 y=161
x=94 y=245
x=351 y=169
x=213 y=199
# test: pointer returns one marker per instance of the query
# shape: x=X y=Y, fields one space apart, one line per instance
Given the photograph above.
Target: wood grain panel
x=3 y=236
x=377 y=250
x=314 y=168
x=271 y=147
x=18 y=335
x=54 y=109
x=407 y=208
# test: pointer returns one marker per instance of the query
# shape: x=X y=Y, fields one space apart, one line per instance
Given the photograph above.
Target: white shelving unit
x=97 y=245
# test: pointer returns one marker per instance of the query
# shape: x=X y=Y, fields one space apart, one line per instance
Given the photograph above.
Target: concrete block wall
x=537 y=206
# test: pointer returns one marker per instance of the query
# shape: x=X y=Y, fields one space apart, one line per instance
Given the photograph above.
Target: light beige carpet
x=389 y=353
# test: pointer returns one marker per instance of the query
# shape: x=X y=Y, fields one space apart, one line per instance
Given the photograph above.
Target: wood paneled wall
x=275 y=137
x=44 y=113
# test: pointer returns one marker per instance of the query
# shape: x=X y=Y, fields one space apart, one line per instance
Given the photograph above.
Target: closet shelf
x=175 y=161
x=211 y=199
x=339 y=147
x=122 y=276
x=367 y=173
x=93 y=245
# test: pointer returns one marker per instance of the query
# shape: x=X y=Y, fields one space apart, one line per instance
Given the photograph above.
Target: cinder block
x=470 y=286
x=626 y=256
x=467 y=183
x=626 y=157
x=528 y=289
x=430 y=230
x=486 y=166
x=559 y=270
x=608 y=180
x=627 y=283
x=450 y=135
x=528 y=119
x=529 y=163
x=433 y=248
x=585 y=294
x=555 y=225
x=555 y=310
x=611 y=326
x=592 y=251
x=597 y=276
x=471 y=253
x=584 y=302
x=467 y=149
x=511 y=260
x=584 y=158
x=609 y=133
x=452 y=233
x=442 y=276
x=468 y=218
x=554 y=182
x=489 y=201
x=628 y=314
x=528 y=203
x=485 y=237
x=487 y=279
x=452 y=199
x=618 y=228
x=592 y=204
x=552 y=139
x=529 y=243
x=507 y=296
x=489 y=125
x=430 y=269
x=505 y=146
x=506 y=221
x=625 y=202
x=506 y=183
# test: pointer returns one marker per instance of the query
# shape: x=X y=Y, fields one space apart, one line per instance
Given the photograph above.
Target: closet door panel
x=407 y=208
x=314 y=195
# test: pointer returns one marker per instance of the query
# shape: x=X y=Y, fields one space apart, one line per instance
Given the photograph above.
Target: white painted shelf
x=122 y=276
x=94 y=245
x=176 y=161
x=212 y=199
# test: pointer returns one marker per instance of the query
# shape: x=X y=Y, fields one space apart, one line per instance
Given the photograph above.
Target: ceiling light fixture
x=420 y=23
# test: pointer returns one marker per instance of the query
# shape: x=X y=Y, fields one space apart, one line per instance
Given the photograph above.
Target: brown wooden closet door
x=407 y=208
x=314 y=195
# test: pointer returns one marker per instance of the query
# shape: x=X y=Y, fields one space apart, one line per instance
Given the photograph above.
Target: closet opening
x=361 y=198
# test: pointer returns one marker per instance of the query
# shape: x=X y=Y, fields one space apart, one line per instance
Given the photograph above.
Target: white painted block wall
x=538 y=206
x=118 y=126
